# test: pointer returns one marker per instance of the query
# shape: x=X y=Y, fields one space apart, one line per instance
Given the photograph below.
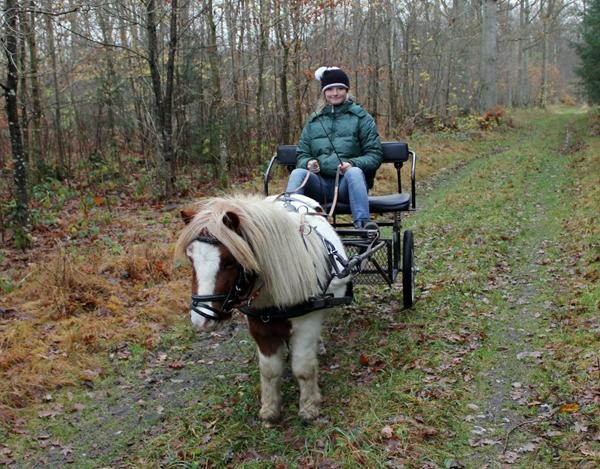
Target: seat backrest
x=287 y=155
x=393 y=152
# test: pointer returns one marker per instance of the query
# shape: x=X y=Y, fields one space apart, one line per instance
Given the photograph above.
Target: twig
x=537 y=419
x=509 y=433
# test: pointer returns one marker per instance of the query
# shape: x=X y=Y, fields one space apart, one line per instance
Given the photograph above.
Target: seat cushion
x=378 y=204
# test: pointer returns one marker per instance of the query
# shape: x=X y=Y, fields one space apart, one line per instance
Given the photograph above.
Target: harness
x=244 y=291
x=243 y=285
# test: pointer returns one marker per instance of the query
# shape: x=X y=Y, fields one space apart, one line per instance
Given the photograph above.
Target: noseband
x=239 y=292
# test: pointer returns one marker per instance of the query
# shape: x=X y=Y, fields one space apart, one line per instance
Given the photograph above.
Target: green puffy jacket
x=352 y=135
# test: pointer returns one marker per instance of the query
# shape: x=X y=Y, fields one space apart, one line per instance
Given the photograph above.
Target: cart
x=396 y=255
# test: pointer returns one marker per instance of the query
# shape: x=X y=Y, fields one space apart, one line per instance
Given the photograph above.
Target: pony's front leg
x=304 y=345
x=271 y=370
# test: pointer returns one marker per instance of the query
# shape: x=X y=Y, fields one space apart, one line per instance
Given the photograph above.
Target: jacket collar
x=344 y=107
x=347 y=106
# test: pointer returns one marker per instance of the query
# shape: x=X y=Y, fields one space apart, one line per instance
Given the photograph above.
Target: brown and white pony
x=267 y=255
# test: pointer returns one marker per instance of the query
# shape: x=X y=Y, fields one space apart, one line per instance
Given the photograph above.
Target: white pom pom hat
x=332 y=76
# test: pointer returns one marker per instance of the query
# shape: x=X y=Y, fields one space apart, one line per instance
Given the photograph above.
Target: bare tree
x=489 y=95
x=163 y=103
x=61 y=167
x=11 y=12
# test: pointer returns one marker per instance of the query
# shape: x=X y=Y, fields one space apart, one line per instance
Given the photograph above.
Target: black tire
x=408 y=269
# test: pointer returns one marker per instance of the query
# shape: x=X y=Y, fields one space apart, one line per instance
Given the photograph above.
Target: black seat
x=379 y=204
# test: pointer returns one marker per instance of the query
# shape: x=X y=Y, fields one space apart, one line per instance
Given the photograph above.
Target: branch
x=50 y=13
x=102 y=43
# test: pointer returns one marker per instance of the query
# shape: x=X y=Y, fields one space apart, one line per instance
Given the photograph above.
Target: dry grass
x=73 y=307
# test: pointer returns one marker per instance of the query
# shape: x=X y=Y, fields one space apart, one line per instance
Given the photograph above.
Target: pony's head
x=218 y=278
x=243 y=247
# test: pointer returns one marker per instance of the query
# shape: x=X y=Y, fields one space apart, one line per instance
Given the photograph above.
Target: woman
x=340 y=134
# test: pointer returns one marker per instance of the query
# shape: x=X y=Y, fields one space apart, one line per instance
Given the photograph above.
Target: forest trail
x=524 y=217
x=497 y=364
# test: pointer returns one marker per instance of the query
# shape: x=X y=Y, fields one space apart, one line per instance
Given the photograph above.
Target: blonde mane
x=267 y=241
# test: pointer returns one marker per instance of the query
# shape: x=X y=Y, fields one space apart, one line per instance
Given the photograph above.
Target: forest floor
x=497 y=364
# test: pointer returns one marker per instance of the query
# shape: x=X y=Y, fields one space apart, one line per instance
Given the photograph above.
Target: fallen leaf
x=387 y=432
x=528 y=448
x=51 y=413
x=522 y=355
x=580 y=427
x=569 y=408
x=77 y=407
x=589 y=452
x=363 y=359
x=510 y=457
x=177 y=365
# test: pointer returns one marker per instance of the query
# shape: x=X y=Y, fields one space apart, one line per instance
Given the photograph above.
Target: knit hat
x=332 y=76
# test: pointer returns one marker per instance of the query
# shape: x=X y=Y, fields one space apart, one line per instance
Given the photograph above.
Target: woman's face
x=336 y=95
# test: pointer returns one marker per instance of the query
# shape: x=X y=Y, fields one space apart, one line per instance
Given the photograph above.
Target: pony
x=278 y=261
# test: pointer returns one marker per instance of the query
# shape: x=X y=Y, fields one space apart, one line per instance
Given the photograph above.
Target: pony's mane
x=267 y=241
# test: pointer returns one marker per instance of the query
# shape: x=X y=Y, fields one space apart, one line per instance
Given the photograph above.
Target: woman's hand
x=313 y=166
x=345 y=166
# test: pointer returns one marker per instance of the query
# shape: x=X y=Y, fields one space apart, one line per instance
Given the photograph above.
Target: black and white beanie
x=332 y=76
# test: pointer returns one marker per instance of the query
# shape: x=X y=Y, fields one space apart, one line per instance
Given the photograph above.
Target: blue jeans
x=353 y=190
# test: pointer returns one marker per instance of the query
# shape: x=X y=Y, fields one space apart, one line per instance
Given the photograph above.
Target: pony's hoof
x=308 y=414
x=269 y=416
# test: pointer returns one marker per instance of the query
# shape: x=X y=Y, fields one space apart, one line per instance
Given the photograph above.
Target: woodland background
x=161 y=96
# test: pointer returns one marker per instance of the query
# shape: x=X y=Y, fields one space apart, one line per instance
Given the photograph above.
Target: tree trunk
x=23 y=94
x=163 y=105
x=284 y=135
x=262 y=50
x=61 y=169
x=217 y=149
x=391 y=72
x=36 y=146
x=129 y=38
x=489 y=94
x=22 y=239
x=108 y=89
x=523 y=53
x=547 y=16
x=168 y=145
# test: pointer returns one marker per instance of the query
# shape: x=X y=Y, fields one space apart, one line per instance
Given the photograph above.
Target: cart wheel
x=408 y=269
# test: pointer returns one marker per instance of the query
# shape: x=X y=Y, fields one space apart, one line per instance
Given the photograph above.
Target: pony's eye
x=229 y=264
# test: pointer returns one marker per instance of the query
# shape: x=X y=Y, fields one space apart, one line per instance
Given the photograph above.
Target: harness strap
x=313 y=304
x=215 y=313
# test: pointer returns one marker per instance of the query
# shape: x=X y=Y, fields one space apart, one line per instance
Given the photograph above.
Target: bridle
x=238 y=293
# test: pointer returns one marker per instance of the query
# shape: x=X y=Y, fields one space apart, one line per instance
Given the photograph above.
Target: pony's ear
x=187 y=215
x=231 y=220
